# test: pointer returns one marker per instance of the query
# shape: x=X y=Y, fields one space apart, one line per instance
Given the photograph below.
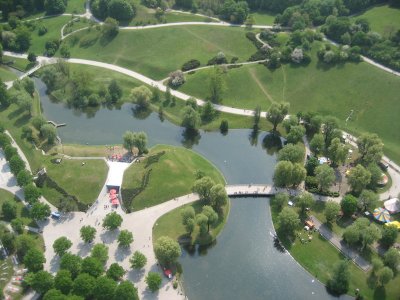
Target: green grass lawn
x=170 y=225
x=54 y=26
x=171 y=176
x=76 y=7
x=149 y=51
x=263 y=18
x=319 y=256
x=6 y=74
x=22 y=212
x=383 y=19
x=18 y=63
x=84 y=182
x=372 y=93
x=173 y=17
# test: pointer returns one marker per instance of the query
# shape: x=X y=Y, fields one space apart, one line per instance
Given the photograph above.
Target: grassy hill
x=383 y=19
x=157 y=52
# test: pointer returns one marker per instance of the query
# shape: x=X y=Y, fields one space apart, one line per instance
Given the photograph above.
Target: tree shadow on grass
x=379 y=293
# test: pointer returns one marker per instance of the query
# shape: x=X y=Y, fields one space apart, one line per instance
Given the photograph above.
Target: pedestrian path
x=341 y=245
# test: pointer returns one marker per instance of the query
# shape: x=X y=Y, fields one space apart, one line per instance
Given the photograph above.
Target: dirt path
x=254 y=76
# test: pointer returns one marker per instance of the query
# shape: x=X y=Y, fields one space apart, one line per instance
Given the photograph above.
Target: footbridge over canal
x=258 y=190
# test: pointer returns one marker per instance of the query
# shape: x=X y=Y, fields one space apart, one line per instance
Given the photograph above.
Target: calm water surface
x=244 y=264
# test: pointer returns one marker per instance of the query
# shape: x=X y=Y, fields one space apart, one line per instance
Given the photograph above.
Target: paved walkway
x=341 y=245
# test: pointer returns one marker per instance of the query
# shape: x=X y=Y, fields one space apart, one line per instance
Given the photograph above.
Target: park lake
x=243 y=263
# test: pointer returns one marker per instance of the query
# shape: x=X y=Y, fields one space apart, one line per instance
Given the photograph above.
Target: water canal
x=243 y=264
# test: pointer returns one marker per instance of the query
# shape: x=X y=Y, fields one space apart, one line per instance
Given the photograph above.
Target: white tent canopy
x=116 y=174
x=392 y=205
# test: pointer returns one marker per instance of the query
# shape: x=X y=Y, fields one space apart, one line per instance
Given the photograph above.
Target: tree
x=358 y=178
x=208 y=112
x=337 y=151
x=125 y=238
x=84 y=285
x=331 y=211
x=305 y=200
x=385 y=275
x=23 y=244
x=296 y=134
x=277 y=113
x=190 y=118
x=32 y=193
x=371 y=234
x=349 y=204
x=325 y=176
x=16 y=164
x=218 y=197
x=9 y=210
x=368 y=200
x=63 y=281
x=54 y=7
x=377 y=264
x=292 y=153
x=392 y=258
x=140 y=142
x=128 y=140
x=376 y=175
x=187 y=213
x=283 y=174
x=18 y=225
x=42 y=281
x=202 y=187
x=121 y=10
x=115 y=272
x=298 y=174
x=40 y=211
x=115 y=91
x=110 y=27
x=61 y=245
x=281 y=200
x=88 y=233
x=100 y=251
x=28 y=85
x=112 y=221
x=34 y=260
x=48 y=131
x=216 y=85
x=317 y=144
x=32 y=57
x=126 y=291
x=24 y=178
x=389 y=235
x=202 y=222
x=153 y=281
x=141 y=96
x=138 y=260
x=54 y=294
x=330 y=129
x=8 y=240
x=71 y=263
x=288 y=221
x=105 y=288
x=370 y=147
x=65 y=51
x=311 y=164
x=167 y=250
x=92 y=266
x=339 y=282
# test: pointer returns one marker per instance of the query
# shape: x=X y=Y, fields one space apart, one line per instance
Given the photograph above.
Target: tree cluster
x=212 y=194
x=120 y=10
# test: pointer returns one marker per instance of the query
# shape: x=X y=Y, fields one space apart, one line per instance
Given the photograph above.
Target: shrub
x=176 y=78
x=42 y=30
x=190 y=65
